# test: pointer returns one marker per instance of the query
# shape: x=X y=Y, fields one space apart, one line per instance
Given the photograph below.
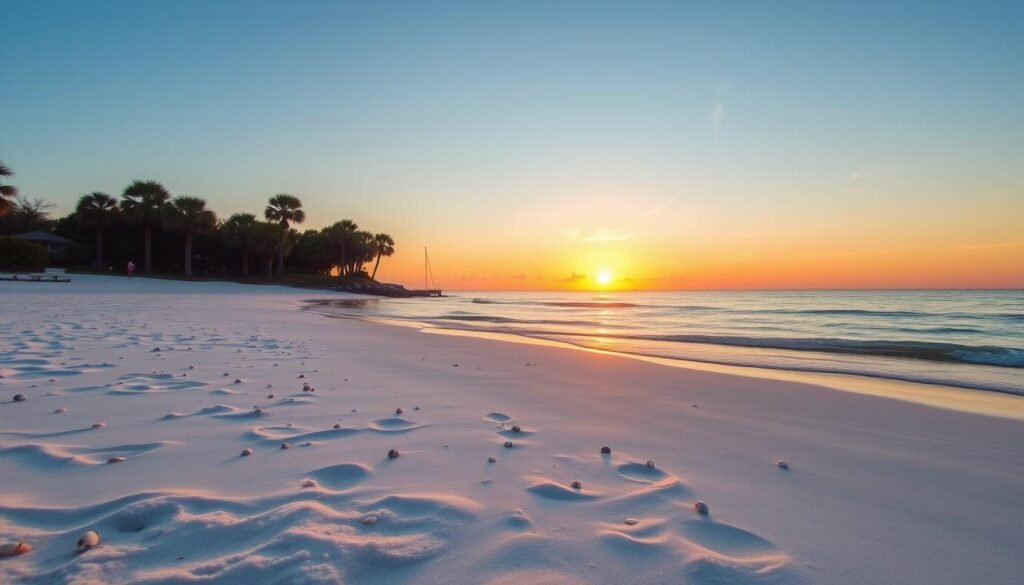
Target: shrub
x=21 y=256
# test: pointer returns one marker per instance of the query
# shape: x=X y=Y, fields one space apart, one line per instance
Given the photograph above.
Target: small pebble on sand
x=246 y=452
x=650 y=464
x=87 y=541
x=19 y=398
x=399 y=411
x=508 y=444
x=577 y=485
x=606 y=450
x=285 y=446
x=116 y=460
x=516 y=429
x=370 y=520
x=415 y=408
x=309 y=483
x=99 y=425
x=782 y=464
x=270 y=396
x=60 y=410
x=337 y=425
x=13 y=549
x=393 y=454
x=630 y=521
x=701 y=507
x=302 y=376
x=491 y=460
x=238 y=380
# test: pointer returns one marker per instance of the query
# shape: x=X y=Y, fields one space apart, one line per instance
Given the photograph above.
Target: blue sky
x=426 y=116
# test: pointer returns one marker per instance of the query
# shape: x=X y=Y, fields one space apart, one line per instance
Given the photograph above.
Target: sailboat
x=430 y=288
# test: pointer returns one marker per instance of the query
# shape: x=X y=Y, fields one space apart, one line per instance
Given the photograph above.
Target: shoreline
x=968 y=400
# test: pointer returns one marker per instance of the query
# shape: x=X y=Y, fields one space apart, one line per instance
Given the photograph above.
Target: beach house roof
x=41 y=236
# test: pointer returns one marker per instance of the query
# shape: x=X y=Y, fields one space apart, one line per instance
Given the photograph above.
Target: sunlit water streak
x=970 y=339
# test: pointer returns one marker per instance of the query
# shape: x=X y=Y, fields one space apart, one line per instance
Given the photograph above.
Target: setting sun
x=604 y=277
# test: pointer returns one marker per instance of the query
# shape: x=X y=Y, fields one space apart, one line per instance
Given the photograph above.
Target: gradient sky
x=531 y=145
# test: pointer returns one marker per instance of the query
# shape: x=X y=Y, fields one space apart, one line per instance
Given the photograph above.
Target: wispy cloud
x=717 y=114
x=599 y=235
x=573 y=277
x=991 y=246
x=662 y=206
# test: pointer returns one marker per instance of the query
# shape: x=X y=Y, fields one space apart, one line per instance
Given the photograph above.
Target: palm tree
x=340 y=237
x=190 y=215
x=284 y=209
x=237 y=233
x=7 y=192
x=143 y=203
x=385 y=247
x=266 y=240
x=98 y=211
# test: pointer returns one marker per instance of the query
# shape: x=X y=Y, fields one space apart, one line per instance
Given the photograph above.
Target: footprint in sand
x=342 y=476
x=393 y=425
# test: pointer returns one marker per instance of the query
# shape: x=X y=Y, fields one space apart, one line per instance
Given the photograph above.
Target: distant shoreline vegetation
x=178 y=235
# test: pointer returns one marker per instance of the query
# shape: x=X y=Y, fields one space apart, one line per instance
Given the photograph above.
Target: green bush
x=21 y=256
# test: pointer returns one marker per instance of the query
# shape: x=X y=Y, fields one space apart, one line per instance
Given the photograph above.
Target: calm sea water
x=971 y=339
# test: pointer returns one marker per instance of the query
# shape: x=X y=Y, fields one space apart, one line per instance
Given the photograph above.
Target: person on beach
x=131 y=268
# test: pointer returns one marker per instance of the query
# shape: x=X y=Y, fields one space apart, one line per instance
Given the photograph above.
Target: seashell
x=508 y=444
x=116 y=460
x=246 y=452
x=99 y=425
x=399 y=411
x=309 y=483
x=630 y=521
x=701 y=507
x=606 y=450
x=393 y=454
x=782 y=464
x=650 y=464
x=13 y=549
x=19 y=398
x=491 y=460
x=370 y=520
x=577 y=485
x=88 y=540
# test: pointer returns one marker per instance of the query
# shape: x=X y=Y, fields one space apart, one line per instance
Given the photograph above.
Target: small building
x=55 y=245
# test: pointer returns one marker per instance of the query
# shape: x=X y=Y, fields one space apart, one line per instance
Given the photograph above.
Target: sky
x=551 y=145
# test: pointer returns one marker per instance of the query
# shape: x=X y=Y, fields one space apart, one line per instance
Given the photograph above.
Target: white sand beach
x=185 y=376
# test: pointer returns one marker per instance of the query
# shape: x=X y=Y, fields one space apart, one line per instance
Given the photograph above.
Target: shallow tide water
x=969 y=339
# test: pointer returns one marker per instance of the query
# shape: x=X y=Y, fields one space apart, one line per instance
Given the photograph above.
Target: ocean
x=969 y=339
